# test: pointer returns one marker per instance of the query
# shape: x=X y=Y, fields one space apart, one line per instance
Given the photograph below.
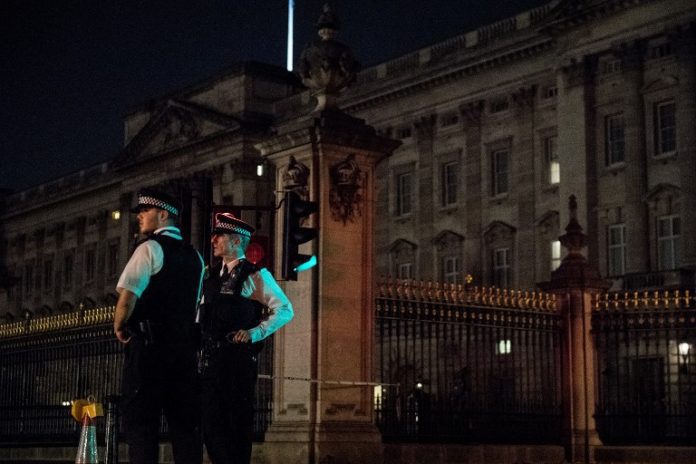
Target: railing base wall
x=414 y=453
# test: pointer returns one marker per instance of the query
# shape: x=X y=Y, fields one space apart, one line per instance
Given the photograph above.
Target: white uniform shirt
x=146 y=261
x=262 y=287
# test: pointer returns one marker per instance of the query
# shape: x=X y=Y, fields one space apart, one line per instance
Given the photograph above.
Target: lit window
x=555 y=254
x=614 y=135
x=450 y=269
x=552 y=163
x=616 y=247
x=668 y=231
x=503 y=347
x=665 y=128
x=403 y=194
x=499 y=162
x=449 y=183
x=502 y=268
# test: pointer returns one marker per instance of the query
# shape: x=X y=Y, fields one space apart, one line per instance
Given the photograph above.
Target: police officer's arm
x=262 y=287
x=147 y=259
x=124 y=308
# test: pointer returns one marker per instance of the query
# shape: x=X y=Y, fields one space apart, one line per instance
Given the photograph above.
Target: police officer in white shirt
x=241 y=305
x=155 y=320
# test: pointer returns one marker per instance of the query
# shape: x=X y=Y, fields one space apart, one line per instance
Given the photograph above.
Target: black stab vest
x=170 y=299
x=223 y=313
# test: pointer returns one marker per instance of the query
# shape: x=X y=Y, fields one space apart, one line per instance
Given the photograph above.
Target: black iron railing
x=646 y=367
x=46 y=362
x=473 y=365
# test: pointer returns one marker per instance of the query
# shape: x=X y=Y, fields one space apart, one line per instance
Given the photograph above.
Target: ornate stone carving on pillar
x=327 y=66
x=344 y=196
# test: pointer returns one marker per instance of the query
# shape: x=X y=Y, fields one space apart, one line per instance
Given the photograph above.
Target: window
x=616 y=249
x=449 y=120
x=499 y=160
x=555 y=254
x=29 y=278
x=403 y=194
x=68 y=265
x=48 y=273
x=668 y=230
x=611 y=66
x=449 y=183
x=450 y=269
x=551 y=92
x=614 y=136
x=502 y=268
x=112 y=256
x=665 y=128
x=90 y=263
x=499 y=105
x=404 y=271
x=553 y=166
x=404 y=132
x=660 y=51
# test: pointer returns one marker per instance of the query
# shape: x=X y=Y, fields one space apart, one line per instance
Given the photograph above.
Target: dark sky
x=72 y=69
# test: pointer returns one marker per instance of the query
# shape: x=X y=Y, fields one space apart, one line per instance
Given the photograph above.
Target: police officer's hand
x=241 y=336
x=121 y=334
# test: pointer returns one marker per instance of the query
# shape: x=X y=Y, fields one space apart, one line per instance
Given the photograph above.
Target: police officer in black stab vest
x=155 y=320
x=233 y=323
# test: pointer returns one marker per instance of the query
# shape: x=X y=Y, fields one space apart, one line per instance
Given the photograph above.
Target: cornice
x=428 y=78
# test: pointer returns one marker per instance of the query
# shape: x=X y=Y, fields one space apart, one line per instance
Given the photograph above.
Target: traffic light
x=296 y=209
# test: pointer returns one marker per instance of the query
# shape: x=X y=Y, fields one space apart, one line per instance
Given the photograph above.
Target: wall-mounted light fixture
x=116 y=215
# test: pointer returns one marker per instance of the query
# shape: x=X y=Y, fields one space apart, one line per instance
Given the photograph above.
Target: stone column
x=685 y=44
x=635 y=208
x=524 y=186
x=332 y=335
x=425 y=127
x=473 y=245
x=575 y=283
x=575 y=141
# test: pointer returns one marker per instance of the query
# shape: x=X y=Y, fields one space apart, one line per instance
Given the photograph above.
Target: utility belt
x=212 y=345
x=145 y=330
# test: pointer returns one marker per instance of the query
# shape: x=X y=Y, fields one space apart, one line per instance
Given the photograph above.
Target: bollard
x=112 y=402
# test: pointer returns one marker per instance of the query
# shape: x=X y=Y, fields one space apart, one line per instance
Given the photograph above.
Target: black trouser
x=160 y=378
x=228 y=397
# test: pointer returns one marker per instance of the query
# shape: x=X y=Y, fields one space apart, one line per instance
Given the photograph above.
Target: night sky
x=71 y=70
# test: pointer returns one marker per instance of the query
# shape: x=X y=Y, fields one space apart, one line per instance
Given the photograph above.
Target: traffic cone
x=87 y=449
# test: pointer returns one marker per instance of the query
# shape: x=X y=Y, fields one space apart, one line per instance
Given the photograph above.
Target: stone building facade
x=499 y=126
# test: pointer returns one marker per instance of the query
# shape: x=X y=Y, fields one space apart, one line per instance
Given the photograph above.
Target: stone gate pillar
x=323 y=410
x=575 y=284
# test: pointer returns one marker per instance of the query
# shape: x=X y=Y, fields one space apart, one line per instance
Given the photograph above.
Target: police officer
x=155 y=320
x=241 y=305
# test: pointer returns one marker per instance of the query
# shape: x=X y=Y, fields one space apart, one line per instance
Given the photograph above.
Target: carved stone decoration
x=295 y=176
x=327 y=66
x=179 y=127
x=344 y=194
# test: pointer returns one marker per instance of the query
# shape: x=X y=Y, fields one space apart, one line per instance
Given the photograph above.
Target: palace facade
x=499 y=126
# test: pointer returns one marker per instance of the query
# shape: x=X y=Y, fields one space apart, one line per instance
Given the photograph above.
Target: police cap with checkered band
x=148 y=198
